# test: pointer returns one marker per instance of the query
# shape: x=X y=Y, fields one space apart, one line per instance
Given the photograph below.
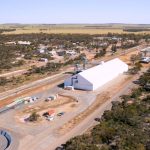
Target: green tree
x=133 y=58
x=113 y=48
x=34 y=117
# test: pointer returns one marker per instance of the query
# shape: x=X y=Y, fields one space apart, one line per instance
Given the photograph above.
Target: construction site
x=51 y=111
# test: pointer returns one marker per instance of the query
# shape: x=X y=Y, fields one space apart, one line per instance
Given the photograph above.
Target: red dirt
x=28 y=92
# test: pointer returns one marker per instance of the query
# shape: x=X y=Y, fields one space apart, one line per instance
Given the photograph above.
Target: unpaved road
x=14 y=73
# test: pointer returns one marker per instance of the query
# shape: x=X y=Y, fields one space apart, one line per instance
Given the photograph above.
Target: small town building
x=10 y=43
x=44 y=59
x=61 y=52
x=52 y=53
x=24 y=42
x=71 y=52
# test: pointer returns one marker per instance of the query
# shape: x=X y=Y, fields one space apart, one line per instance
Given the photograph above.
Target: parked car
x=145 y=60
x=46 y=114
x=59 y=148
x=61 y=114
x=48 y=99
x=50 y=118
x=34 y=98
x=136 y=82
x=51 y=98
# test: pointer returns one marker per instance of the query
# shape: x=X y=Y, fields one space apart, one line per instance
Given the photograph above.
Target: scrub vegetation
x=10 y=52
x=15 y=56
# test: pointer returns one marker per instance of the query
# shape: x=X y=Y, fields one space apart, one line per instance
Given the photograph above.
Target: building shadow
x=61 y=85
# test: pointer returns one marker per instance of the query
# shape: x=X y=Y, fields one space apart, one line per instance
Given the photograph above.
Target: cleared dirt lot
x=64 y=104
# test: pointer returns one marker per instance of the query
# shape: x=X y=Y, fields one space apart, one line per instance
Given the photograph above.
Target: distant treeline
x=136 y=29
x=7 y=30
x=99 y=27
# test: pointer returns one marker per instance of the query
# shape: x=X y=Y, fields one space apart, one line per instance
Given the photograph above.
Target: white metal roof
x=104 y=72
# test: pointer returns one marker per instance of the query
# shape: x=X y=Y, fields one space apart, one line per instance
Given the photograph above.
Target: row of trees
x=44 y=70
x=6 y=30
x=53 y=67
x=12 y=80
x=101 y=53
x=136 y=29
x=44 y=38
x=7 y=56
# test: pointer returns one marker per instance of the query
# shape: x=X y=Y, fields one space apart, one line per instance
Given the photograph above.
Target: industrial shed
x=95 y=77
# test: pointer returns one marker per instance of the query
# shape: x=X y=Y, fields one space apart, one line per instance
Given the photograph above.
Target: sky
x=75 y=11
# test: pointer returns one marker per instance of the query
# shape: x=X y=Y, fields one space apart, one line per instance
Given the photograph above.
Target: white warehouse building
x=93 y=78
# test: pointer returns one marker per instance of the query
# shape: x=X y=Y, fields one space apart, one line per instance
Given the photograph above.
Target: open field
x=73 y=29
x=67 y=31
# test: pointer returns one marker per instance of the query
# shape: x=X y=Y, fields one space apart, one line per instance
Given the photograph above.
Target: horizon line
x=74 y=23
